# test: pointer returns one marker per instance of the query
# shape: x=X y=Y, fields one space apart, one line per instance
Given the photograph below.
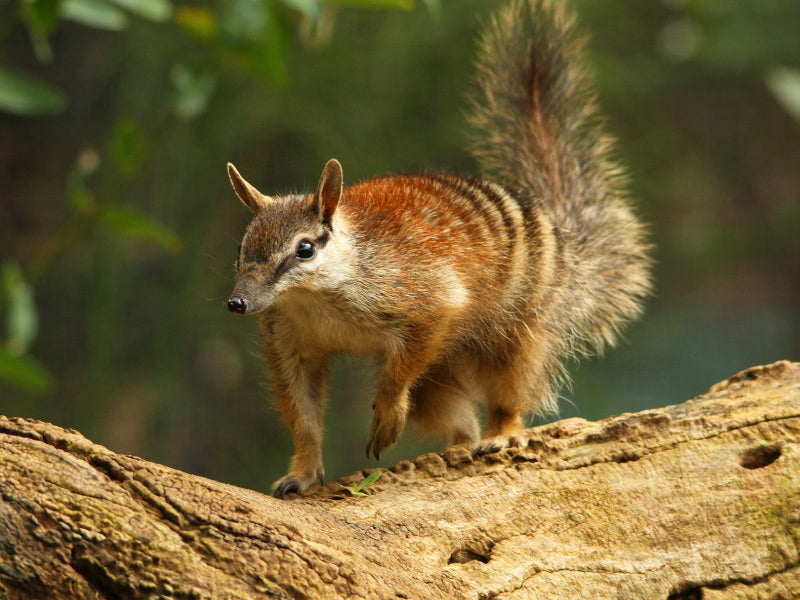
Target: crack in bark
x=687 y=590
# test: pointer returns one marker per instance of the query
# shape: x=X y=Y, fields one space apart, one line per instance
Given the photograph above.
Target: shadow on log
x=698 y=500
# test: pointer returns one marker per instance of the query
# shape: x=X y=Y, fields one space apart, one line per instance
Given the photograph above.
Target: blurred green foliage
x=118 y=228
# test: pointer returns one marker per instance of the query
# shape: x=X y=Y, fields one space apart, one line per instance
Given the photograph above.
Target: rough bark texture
x=698 y=500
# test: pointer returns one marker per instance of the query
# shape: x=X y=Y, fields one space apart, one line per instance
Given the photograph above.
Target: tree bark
x=698 y=500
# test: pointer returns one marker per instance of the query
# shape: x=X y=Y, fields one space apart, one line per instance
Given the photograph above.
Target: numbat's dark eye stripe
x=306 y=250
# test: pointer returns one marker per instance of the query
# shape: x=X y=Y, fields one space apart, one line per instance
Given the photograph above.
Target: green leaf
x=21 y=320
x=434 y=6
x=244 y=19
x=369 y=480
x=79 y=196
x=784 y=83
x=81 y=199
x=310 y=8
x=357 y=488
x=23 y=95
x=267 y=60
x=258 y=37
x=152 y=10
x=128 y=146
x=94 y=13
x=41 y=16
x=24 y=372
x=131 y=222
x=401 y=4
x=193 y=90
x=198 y=21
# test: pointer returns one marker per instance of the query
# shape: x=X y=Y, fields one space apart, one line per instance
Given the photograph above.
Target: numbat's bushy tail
x=542 y=134
x=469 y=290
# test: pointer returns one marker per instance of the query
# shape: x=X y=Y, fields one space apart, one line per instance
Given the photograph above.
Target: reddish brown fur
x=466 y=291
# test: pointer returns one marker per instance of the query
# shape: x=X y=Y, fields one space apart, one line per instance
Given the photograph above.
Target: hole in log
x=692 y=593
x=760 y=456
x=465 y=555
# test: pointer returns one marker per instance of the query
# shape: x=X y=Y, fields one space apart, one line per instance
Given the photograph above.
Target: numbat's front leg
x=299 y=386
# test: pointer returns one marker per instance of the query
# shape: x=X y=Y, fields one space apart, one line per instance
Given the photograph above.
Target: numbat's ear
x=329 y=191
x=252 y=198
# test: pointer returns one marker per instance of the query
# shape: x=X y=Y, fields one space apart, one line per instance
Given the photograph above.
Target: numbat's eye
x=306 y=250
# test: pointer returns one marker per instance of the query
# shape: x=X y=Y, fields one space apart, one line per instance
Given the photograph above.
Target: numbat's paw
x=499 y=442
x=296 y=482
x=384 y=433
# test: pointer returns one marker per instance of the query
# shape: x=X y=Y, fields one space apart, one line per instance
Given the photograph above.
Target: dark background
x=118 y=227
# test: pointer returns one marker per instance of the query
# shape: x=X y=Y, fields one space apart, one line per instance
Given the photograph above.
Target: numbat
x=468 y=289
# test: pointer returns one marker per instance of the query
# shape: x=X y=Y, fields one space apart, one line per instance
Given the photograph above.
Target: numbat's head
x=285 y=245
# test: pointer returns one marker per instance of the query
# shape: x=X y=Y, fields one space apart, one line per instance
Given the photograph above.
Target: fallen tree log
x=698 y=500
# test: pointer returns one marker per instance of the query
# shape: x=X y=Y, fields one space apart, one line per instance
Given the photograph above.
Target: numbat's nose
x=237 y=305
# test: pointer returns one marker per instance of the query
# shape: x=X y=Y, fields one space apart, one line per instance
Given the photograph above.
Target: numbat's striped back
x=478 y=228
